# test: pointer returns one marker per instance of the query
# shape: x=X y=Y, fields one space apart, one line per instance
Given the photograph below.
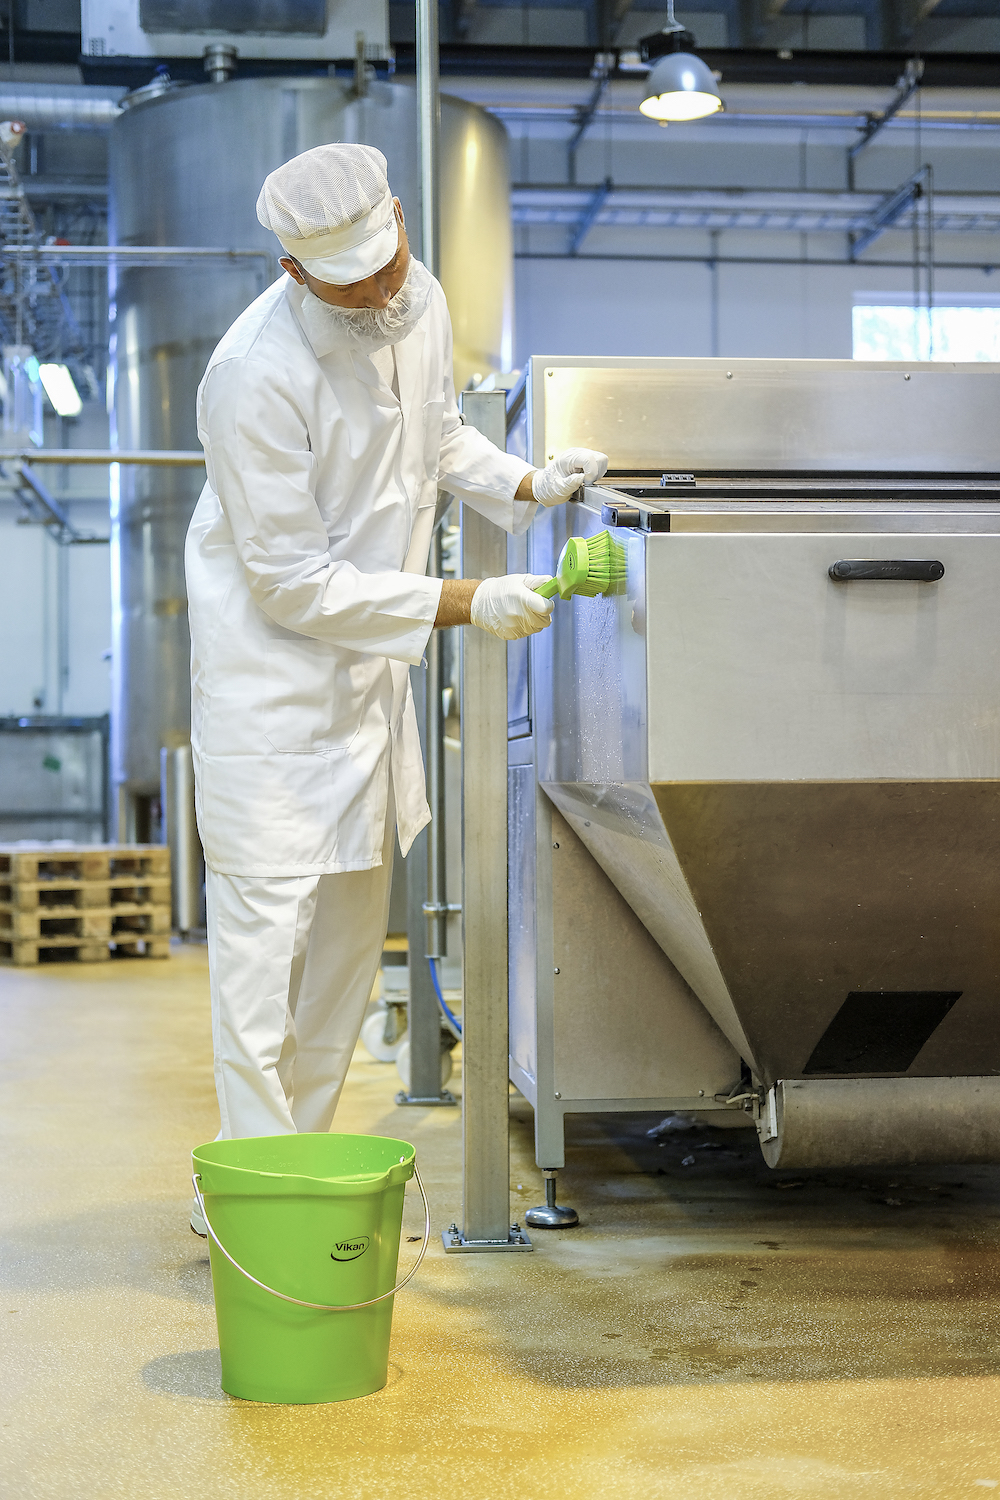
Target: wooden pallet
x=67 y=891
x=88 y=922
x=43 y=862
x=83 y=902
x=150 y=947
x=70 y=948
x=27 y=951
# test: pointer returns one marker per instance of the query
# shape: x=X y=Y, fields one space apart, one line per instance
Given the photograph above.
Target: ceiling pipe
x=60 y=107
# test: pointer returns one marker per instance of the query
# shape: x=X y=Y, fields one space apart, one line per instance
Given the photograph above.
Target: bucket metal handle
x=322 y=1306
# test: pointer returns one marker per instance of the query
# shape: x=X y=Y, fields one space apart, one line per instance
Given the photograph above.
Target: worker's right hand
x=509 y=607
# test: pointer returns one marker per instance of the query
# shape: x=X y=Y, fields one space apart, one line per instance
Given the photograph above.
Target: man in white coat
x=329 y=422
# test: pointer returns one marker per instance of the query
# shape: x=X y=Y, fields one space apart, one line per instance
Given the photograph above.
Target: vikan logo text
x=350 y=1249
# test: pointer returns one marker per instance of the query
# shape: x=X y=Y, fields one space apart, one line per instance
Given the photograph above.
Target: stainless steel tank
x=186 y=168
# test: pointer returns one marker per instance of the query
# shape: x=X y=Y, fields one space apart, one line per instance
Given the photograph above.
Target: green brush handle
x=547 y=590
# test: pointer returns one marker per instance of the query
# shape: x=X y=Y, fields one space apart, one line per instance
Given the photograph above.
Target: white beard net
x=372 y=328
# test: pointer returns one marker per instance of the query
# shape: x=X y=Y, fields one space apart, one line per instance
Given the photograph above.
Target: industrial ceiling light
x=58 y=385
x=680 y=86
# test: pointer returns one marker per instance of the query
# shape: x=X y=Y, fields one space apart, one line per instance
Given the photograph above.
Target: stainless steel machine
x=754 y=796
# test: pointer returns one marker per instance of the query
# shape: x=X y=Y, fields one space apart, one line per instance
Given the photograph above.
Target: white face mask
x=372 y=328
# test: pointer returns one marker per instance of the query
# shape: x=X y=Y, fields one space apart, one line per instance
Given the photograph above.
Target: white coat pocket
x=314 y=696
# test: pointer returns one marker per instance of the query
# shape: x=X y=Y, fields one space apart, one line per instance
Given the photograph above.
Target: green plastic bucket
x=304 y=1219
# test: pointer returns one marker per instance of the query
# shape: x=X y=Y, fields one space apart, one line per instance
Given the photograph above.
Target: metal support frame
x=768 y=210
x=35 y=268
x=136 y=255
x=460 y=19
x=180 y=829
x=34 y=307
x=486 y=1222
x=427 y=938
x=429 y=131
x=923 y=256
x=589 y=216
x=615 y=15
x=713 y=271
x=361 y=77
x=604 y=62
x=906 y=87
x=72 y=724
x=425 y=887
x=171 y=458
x=916 y=190
x=43 y=509
x=436 y=905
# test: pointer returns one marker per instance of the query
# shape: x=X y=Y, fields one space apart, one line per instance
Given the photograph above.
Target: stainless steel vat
x=792 y=780
x=186 y=168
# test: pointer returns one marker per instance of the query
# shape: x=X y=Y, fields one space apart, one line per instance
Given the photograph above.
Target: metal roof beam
x=44 y=509
x=604 y=62
x=905 y=90
x=890 y=210
x=589 y=216
x=812 y=211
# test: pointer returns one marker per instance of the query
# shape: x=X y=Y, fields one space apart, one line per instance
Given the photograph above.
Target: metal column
x=436 y=904
x=180 y=831
x=486 y=1157
x=425 y=884
x=428 y=131
x=425 y=866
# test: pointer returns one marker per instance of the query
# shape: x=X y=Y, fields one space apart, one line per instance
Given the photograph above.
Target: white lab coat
x=308 y=599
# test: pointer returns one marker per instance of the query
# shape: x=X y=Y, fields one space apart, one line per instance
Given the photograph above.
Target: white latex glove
x=509 y=607
x=561 y=479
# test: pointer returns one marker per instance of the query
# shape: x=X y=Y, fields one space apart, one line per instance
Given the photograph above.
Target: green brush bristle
x=588 y=566
x=598 y=579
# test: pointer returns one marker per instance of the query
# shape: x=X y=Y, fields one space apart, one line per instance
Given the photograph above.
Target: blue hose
x=441 y=1000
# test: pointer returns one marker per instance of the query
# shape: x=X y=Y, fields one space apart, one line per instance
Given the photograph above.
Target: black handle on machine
x=621 y=515
x=894 y=569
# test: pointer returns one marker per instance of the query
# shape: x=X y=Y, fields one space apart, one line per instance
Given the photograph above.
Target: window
x=962 y=329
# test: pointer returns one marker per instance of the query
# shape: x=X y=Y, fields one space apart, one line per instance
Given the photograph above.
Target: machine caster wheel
x=403 y=1064
x=373 y=1037
x=550 y=1215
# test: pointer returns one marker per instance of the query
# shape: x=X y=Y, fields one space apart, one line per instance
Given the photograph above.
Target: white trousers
x=292 y=961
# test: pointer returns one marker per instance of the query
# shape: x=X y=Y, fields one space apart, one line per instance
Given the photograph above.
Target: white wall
x=623 y=305
x=55 y=602
x=35 y=570
x=647 y=307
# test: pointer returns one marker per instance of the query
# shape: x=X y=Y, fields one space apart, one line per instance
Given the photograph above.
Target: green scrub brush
x=587 y=565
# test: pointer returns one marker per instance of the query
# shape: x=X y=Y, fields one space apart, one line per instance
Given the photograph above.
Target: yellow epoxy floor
x=707 y=1332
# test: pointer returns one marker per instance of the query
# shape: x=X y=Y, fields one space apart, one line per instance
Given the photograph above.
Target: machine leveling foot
x=550 y=1215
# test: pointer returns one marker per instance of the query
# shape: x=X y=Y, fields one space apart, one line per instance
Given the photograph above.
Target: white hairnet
x=332 y=210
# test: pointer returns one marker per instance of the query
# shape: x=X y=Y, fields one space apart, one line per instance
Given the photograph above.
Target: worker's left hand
x=563 y=477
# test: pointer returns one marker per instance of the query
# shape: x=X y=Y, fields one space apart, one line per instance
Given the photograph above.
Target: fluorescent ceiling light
x=58 y=385
x=680 y=87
